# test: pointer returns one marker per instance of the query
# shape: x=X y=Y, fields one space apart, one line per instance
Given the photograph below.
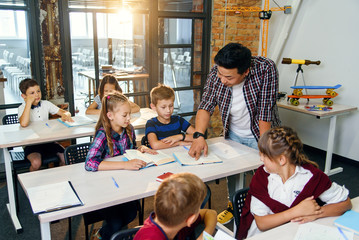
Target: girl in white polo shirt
x=288 y=187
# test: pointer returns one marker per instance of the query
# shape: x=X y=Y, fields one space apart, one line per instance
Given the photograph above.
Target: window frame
x=152 y=45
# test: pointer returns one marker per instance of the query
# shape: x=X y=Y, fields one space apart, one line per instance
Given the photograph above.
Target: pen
x=186 y=148
x=47 y=125
x=114 y=181
x=342 y=233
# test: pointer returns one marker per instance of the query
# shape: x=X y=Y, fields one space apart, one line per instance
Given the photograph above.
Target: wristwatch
x=198 y=134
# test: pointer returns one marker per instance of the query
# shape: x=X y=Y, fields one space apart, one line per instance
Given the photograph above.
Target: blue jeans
x=250 y=142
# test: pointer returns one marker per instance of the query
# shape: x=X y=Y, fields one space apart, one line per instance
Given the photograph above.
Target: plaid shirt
x=99 y=150
x=260 y=91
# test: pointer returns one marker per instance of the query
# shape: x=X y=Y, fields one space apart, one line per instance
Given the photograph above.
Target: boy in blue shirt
x=165 y=130
x=35 y=109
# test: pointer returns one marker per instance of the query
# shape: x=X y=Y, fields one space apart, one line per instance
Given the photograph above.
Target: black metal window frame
x=152 y=45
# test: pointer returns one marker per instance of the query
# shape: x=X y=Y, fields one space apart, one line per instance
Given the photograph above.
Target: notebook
x=162 y=177
x=185 y=159
x=53 y=197
x=151 y=159
x=78 y=121
x=349 y=221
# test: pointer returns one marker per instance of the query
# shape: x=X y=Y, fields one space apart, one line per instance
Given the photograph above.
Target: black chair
x=127 y=234
x=207 y=198
x=77 y=154
x=238 y=200
x=18 y=158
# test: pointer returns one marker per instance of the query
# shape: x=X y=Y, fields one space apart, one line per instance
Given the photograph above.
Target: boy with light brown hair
x=166 y=130
x=177 y=210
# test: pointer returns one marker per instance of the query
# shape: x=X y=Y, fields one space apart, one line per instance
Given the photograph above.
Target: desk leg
x=45 y=231
x=11 y=206
x=328 y=160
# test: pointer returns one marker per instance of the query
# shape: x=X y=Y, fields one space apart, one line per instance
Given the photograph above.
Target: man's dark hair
x=234 y=55
x=27 y=83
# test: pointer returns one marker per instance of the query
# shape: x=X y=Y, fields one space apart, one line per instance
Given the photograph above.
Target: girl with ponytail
x=114 y=135
x=288 y=187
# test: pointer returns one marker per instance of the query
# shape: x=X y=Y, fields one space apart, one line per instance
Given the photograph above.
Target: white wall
x=325 y=30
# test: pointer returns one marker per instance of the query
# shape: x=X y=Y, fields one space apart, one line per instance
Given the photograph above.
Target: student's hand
x=197 y=146
x=66 y=117
x=29 y=99
x=308 y=207
x=172 y=139
x=144 y=149
x=305 y=219
x=135 y=164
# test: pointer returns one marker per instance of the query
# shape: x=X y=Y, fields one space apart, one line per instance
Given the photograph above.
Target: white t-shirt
x=239 y=118
x=40 y=113
x=288 y=191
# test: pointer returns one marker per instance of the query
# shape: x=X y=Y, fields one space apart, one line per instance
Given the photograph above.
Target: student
x=165 y=130
x=35 y=109
x=177 y=210
x=289 y=187
x=108 y=84
x=114 y=134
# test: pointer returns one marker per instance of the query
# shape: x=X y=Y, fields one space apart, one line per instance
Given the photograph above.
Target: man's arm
x=199 y=144
x=263 y=126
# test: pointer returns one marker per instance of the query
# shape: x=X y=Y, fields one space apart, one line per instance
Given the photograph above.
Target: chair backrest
x=208 y=196
x=76 y=153
x=127 y=234
x=238 y=202
x=10 y=119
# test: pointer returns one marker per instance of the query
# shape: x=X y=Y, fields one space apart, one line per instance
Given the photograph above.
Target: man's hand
x=197 y=146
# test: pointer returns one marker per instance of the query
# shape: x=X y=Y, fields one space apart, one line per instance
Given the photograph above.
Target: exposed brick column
x=243 y=28
x=50 y=35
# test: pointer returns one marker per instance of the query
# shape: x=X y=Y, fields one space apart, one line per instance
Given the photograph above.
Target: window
x=15 y=61
x=119 y=37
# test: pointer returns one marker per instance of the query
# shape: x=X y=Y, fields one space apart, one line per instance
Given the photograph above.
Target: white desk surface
x=289 y=230
x=337 y=108
x=58 y=131
x=97 y=190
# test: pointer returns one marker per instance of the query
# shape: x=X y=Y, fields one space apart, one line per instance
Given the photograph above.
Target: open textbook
x=150 y=159
x=78 y=121
x=183 y=158
x=53 y=197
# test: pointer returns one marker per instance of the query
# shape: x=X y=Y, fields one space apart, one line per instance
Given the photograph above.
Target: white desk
x=289 y=230
x=12 y=136
x=97 y=190
x=336 y=111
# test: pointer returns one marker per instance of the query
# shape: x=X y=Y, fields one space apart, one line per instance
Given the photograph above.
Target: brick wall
x=243 y=28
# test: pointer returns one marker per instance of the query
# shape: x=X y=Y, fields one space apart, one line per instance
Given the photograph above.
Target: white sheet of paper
x=225 y=150
x=79 y=121
x=314 y=231
x=51 y=196
x=220 y=235
x=15 y=136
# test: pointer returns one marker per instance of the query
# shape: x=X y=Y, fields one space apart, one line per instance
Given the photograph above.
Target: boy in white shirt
x=35 y=109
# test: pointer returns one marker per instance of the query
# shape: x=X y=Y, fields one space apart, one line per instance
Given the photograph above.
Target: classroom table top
x=97 y=189
x=14 y=135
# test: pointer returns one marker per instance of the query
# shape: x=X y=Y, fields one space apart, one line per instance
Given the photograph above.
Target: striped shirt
x=260 y=91
x=99 y=150
x=176 y=126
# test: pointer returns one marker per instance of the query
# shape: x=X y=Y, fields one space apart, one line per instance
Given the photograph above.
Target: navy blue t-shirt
x=176 y=126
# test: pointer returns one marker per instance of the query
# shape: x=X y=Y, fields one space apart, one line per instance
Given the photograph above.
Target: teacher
x=245 y=88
